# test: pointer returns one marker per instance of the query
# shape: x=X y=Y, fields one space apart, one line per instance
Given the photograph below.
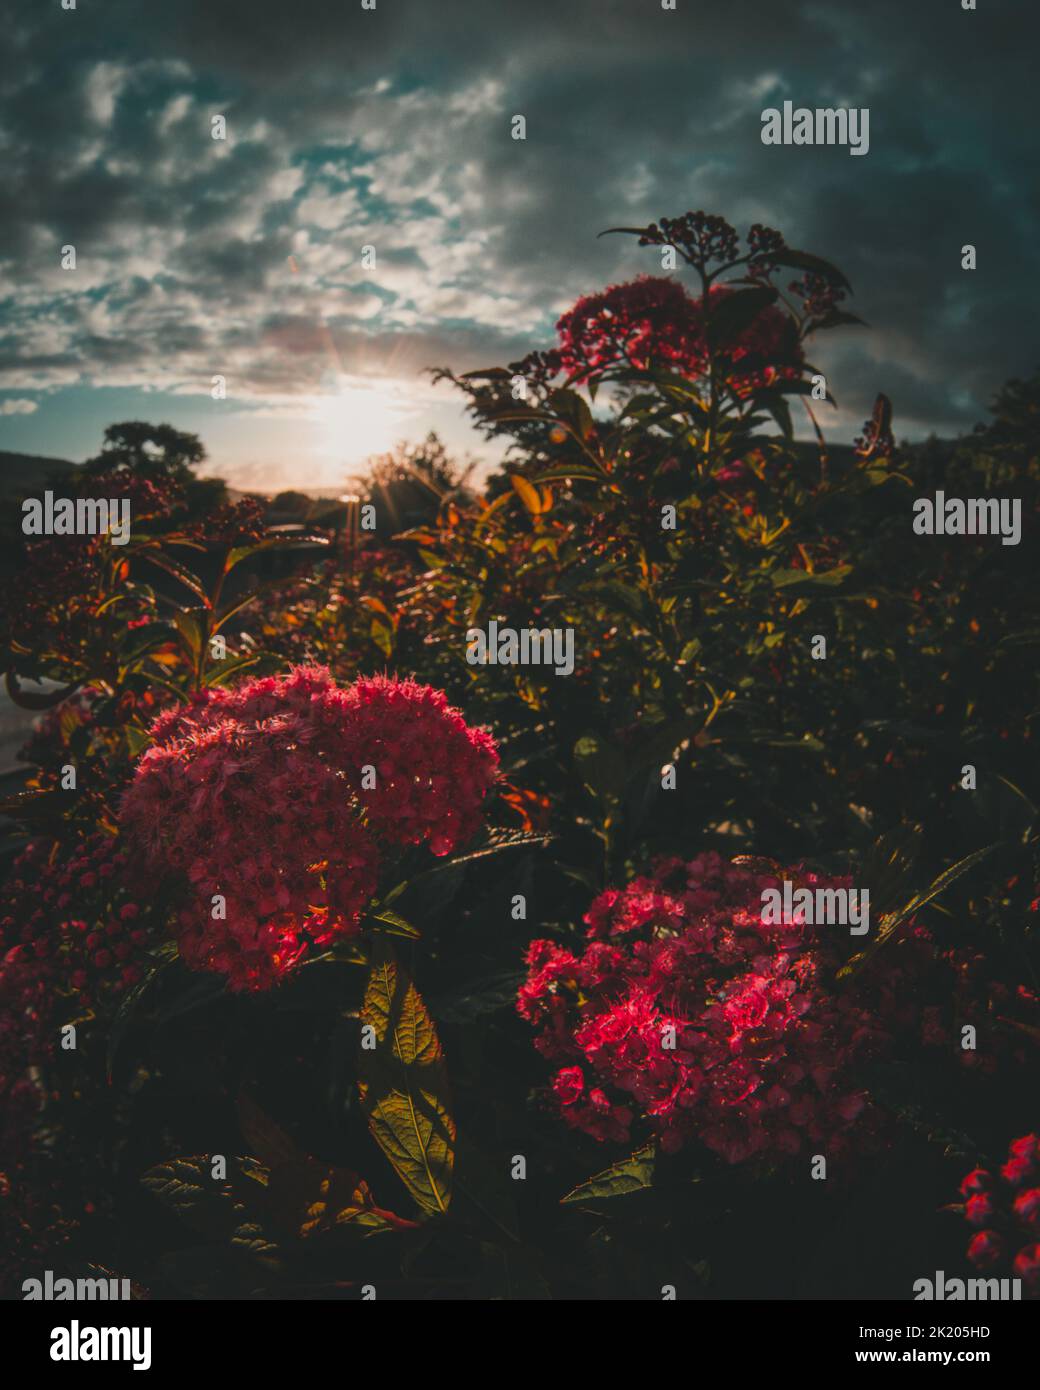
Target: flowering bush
x=695 y=1014
x=654 y=321
x=257 y=798
x=66 y=916
x=65 y=579
x=1004 y=1209
x=71 y=941
x=247 y=800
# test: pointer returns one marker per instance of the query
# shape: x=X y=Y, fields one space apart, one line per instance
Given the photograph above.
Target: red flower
x=689 y=1011
x=1023 y=1161
x=985 y=1250
x=1027 y=1268
x=1027 y=1206
x=432 y=769
x=1014 y=1208
x=568 y=1085
x=271 y=803
x=978 y=1180
x=652 y=321
x=979 y=1209
x=701 y=1018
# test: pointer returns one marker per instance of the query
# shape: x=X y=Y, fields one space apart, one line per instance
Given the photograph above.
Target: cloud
x=391 y=129
x=18 y=407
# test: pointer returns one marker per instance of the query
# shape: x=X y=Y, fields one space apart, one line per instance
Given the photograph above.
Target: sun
x=356 y=420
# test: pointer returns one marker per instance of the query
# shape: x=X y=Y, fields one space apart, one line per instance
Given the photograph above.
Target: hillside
x=21 y=471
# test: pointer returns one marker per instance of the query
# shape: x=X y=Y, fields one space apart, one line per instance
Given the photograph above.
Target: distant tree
x=409 y=485
x=152 y=451
x=1016 y=416
x=291 y=503
x=159 y=453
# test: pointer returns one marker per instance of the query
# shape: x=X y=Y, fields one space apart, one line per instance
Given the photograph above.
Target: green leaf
x=179 y=571
x=185 y=542
x=630 y=1175
x=243 y=601
x=393 y=924
x=484 y=995
x=214 y=1207
x=887 y=869
x=297 y=540
x=304 y=1197
x=191 y=624
x=250 y=1239
x=838 y=318
x=382 y=635
x=795 y=582
x=574 y=409
x=435 y=888
x=576 y=472
x=781 y=413
x=734 y=313
x=223 y=671
x=891 y=921
x=137 y=740
x=630 y=231
x=940 y=884
x=431 y=891
x=403 y=1083
x=641 y=404
x=527 y=494
x=138 y=640
x=1017 y=791
x=816 y=265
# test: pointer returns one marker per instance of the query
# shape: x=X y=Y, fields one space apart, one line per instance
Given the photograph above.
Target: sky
x=391 y=128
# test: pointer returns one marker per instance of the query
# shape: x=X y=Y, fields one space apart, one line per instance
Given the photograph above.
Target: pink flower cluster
x=272 y=803
x=689 y=1014
x=1005 y=1212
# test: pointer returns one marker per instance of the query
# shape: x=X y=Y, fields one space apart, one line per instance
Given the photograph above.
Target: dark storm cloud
x=391 y=128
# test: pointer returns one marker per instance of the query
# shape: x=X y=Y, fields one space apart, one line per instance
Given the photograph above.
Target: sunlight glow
x=357 y=420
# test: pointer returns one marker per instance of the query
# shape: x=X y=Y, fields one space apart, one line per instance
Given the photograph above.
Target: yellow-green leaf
x=527 y=494
x=404 y=1085
x=630 y=1175
x=385 y=920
